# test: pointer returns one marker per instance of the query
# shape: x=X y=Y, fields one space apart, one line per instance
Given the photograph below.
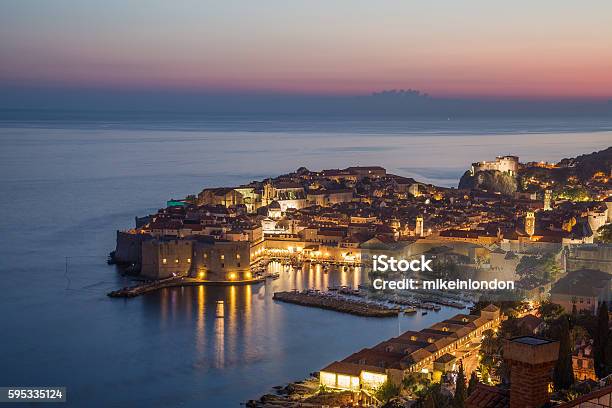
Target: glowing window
x=328 y=379
x=164 y=260
x=344 y=381
x=373 y=380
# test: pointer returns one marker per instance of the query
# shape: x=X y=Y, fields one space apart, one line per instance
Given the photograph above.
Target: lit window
x=222 y=257
x=237 y=256
x=164 y=260
x=188 y=260
x=176 y=260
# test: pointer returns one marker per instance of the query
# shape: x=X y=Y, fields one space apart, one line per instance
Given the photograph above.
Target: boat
x=410 y=310
x=423 y=313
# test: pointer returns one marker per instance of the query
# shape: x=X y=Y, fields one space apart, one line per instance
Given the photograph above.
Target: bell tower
x=530 y=223
x=547 y=200
x=418 y=228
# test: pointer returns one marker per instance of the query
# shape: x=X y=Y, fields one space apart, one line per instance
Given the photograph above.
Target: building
x=419 y=226
x=410 y=352
x=504 y=164
x=531 y=361
x=530 y=223
x=166 y=257
x=583 y=363
x=547 y=200
x=584 y=290
x=327 y=198
x=219 y=260
x=225 y=196
x=288 y=194
x=367 y=171
x=589 y=256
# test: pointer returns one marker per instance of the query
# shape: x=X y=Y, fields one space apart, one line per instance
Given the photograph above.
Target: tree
x=472 y=383
x=540 y=268
x=460 y=390
x=563 y=376
x=434 y=397
x=386 y=391
x=605 y=234
x=415 y=383
x=600 y=340
x=550 y=311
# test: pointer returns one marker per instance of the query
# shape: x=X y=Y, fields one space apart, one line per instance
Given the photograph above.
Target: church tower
x=530 y=223
x=547 y=200
x=418 y=229
x=268 y=193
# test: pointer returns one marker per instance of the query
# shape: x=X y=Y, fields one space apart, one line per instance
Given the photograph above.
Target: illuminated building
x=530 y=223
x=410 y=352
x=419 y=225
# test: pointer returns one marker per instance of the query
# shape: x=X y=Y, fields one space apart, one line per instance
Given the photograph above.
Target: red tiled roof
x=485 y=396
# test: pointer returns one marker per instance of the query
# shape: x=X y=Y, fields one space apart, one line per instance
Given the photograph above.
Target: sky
x=457 y=48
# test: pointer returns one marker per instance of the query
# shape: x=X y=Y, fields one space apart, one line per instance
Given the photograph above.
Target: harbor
x=360 y=302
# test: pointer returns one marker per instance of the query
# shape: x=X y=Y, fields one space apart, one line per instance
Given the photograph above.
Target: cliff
x=489 y=180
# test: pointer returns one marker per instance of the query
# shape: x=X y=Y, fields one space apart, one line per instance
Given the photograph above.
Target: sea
x=68 y=182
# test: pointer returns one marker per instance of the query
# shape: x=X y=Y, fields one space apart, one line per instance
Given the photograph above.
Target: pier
x=141 y=289
x=331 y=302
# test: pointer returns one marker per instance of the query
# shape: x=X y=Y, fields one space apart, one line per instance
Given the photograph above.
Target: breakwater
x=141 y=289
x=327 y=301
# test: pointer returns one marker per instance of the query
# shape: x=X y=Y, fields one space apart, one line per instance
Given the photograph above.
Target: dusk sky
x=539 y=49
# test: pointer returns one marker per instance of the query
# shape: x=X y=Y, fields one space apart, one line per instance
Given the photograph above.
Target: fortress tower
x=530 y=223
x=531 y=361
x=504 y=164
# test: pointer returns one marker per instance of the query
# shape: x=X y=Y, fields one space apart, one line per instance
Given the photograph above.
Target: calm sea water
x=66 y=186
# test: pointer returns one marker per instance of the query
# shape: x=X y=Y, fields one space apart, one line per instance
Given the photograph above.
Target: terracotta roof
x=491 y=308
x=530 y=322
x=445 y=358
x=343 y=368
x=485 y=396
